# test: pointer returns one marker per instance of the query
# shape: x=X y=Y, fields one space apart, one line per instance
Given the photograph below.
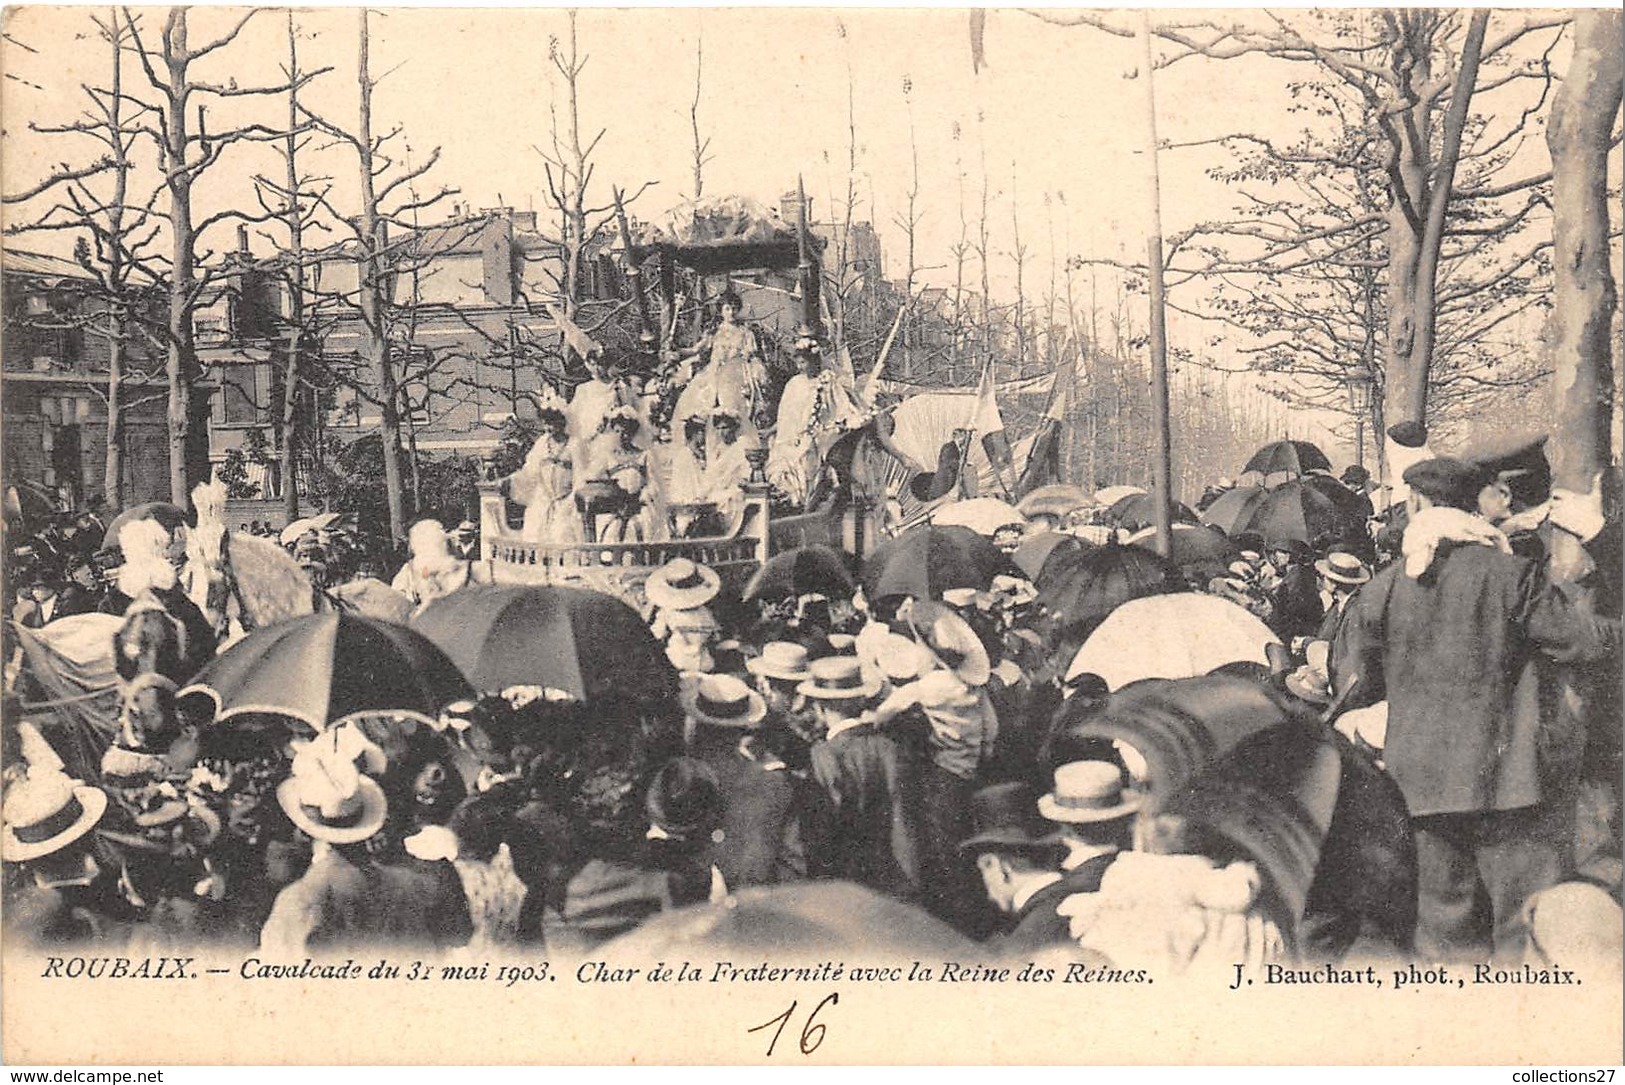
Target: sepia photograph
x=811 y=536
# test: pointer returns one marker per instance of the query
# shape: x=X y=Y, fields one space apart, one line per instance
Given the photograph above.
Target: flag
x=988 y=424
x=577 y=340
x=1043 y=463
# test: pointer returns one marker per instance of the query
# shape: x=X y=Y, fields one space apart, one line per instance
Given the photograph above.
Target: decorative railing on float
x=735 y=554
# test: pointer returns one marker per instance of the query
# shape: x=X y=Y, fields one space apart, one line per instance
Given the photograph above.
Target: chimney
x=242 y=239
x=788 y=211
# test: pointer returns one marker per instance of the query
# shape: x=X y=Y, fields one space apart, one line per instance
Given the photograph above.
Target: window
x=241 y=402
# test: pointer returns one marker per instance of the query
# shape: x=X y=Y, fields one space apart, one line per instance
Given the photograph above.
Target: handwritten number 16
x=811 y=1035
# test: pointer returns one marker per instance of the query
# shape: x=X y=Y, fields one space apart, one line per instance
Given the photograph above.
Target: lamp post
x=1359 y=380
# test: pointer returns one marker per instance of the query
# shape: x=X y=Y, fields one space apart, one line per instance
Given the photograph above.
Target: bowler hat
x=1409 y=434
x=1006 y=819
x=684 y=798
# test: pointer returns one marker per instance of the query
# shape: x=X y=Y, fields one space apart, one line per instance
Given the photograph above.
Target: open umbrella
x=1293 y=510
x=325 y=668
x=1056 y=499
x=1082 y=589
x=805 y=570
x=1139 y=510
x=170 y=516
x=983 y=515
x=586 y=643
x=926 y=561
x=1042 y=547
x=802 y=918
x=1111 y=495
x=1326 y=828
x=1171 y=636
x=1289 y=457
x=1191 y=544
x=319 y=522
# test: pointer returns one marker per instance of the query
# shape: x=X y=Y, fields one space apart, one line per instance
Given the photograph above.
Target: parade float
x=700 y=248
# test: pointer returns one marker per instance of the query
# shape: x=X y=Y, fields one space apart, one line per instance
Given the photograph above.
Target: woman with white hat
x=681 y=591
x=348 y=898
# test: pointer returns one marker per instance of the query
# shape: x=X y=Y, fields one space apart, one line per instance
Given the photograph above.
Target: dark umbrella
x=1326 y=829
x=806 y=917
x=1290 y=457
x=1043 y=547
x=926 y=561
x=1293 y=510
x=1191 y=544
x=1081 y=590
x=586 y=643
x=1140 y=510
x=323 y=668
x=804 y=571
x=170 y=516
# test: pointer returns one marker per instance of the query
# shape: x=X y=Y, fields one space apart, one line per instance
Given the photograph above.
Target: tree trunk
x=113 y=480
x=373 y=303
x=181 y=364
x=292 y=373
x=1583 y=295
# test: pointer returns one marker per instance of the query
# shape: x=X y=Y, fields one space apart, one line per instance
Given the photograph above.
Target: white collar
x=1079 y=852
x=1031 y=886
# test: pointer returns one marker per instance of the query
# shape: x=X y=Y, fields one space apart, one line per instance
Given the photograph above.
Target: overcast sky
x=1060 y=123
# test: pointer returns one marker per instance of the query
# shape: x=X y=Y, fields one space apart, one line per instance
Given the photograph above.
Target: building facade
x=56 y=353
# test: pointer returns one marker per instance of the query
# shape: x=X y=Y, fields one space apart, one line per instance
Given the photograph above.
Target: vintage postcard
x=811 y=536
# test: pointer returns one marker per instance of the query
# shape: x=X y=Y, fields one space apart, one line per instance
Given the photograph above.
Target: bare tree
x=1418 y=76
x=388 y=198
x=188 y=150
x=702 y=145
x=114 y=240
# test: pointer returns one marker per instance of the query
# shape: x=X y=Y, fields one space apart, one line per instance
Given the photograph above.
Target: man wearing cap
x=1454 y=636
x=760 y=840
x=865 y=820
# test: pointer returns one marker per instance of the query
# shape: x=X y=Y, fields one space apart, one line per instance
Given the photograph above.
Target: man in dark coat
x=761 y=840
x=866 y=818
x=1295 y=606
x=1454 y=635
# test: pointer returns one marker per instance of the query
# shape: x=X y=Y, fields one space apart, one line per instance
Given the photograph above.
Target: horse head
x=149 y=650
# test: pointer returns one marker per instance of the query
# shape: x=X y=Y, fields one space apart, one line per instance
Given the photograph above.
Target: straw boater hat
x=1343 y=568
x=838 y=678
x=681 y=584
x=45 y=812
x=722 y=700
x=781 y=659
x=1088 y=791
x=329 y=799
